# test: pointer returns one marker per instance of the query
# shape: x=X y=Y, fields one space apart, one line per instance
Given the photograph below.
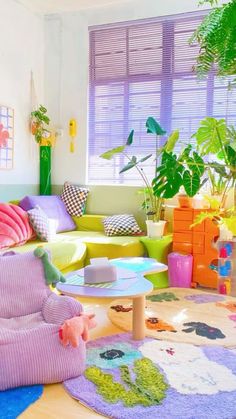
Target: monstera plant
x=175 y=171
x=215 y=138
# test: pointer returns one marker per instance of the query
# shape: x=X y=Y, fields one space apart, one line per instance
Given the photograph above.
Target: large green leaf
x=130 y=138
x=169 y=176
x=167 y=187
x=134 y=162
x=185 y=153
x=191 y=183
x=171 y=141
x=211 y=135
x=196 y=164
x=129 y=165
x=231 y=156
x=219 y=168
x=153 y=127
x=145 y=158
x=110 y=153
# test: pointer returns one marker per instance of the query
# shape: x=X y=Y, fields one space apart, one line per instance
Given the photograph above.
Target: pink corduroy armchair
x=30 y=318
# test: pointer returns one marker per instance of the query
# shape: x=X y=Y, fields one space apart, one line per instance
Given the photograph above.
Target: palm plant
x=216 y=37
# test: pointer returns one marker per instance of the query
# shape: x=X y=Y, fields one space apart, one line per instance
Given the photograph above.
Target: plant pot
x=185 y=201
x=34 y=127
x=155 y=229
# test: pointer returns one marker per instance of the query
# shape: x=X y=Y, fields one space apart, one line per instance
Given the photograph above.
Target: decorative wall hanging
x=6 y=137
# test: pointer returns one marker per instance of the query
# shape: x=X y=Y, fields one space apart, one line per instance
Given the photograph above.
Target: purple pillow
x=53 y=207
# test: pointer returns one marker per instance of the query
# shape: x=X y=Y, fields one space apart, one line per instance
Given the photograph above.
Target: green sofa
x=73 y=249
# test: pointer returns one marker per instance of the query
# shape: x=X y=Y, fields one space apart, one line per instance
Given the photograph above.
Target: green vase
x=45 y=170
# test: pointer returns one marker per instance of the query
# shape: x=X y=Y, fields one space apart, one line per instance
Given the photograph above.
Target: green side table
x=158 y=248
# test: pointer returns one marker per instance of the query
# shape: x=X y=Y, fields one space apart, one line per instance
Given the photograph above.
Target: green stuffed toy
x=52 y=274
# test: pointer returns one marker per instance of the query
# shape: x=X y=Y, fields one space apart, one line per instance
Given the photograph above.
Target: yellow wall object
x=72 y=128
x=72 y=134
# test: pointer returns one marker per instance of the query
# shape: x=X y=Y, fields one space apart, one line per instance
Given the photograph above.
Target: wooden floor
x=55 y=403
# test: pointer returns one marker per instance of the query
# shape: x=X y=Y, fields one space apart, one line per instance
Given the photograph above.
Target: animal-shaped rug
x=183 y=315
x=127 y=379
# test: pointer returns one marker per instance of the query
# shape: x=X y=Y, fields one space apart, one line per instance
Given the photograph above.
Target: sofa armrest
x=89 y=222
x=59 y=308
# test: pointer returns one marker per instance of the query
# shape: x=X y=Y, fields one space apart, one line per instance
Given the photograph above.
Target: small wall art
x=6 y=137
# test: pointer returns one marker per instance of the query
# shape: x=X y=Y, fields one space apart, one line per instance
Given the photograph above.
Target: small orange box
x=180 y=214
x=211 y=227
x=182 y=225
x=198 y=249
x=198 y=238
x=186 y=248
x=182 y=237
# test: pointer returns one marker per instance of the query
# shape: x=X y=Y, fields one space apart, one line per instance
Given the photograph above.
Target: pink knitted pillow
x=15 y=229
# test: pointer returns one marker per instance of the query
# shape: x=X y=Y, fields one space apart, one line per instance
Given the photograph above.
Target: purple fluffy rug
x=127 y=379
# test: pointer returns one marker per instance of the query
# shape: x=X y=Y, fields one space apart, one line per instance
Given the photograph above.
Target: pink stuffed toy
x=72 y=329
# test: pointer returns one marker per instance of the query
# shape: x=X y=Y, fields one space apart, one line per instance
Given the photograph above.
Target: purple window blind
x=140 y=69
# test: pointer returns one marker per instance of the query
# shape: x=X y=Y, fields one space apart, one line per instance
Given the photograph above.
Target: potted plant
x=39 y=126
x=216 y=39
x=152 y=204
x=182 y=172
x=214 y=137
x=43 y=136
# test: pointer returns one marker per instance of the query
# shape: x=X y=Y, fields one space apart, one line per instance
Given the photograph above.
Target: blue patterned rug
x=128 y=379
x=14 y=401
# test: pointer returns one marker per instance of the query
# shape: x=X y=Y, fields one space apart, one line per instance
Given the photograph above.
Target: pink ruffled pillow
x=15 y=228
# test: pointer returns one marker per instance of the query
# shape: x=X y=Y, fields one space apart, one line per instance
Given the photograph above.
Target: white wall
x=21 y=50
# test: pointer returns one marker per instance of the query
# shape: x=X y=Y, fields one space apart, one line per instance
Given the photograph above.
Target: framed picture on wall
x=6 y=137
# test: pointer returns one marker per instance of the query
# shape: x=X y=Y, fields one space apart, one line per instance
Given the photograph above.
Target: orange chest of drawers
x=199 y=242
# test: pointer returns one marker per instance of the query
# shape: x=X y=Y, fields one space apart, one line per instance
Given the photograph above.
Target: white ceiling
x=54 y=6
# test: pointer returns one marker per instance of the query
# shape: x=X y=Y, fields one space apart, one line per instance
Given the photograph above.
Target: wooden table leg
x=139 y=318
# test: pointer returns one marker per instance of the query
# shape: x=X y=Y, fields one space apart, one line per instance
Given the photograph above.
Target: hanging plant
x=216 y=37
x=39 y=126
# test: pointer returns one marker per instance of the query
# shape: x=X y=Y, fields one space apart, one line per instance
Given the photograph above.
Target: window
x=141 y=69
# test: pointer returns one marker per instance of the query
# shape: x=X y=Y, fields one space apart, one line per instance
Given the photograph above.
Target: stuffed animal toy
x=52 y=274
x=73 y=328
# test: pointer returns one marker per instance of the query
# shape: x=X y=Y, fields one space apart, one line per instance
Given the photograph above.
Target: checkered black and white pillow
x=74 y=198
x=44 y=227
x=121 y=225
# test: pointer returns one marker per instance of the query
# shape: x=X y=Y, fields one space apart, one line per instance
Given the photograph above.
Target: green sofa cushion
x=68 y=253
x=72 y=249
x=99 y=245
